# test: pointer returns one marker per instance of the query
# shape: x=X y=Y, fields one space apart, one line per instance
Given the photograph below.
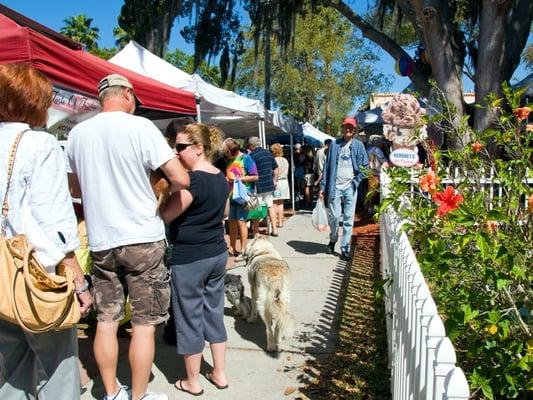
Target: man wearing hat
x=111 y=156
x=343 y=172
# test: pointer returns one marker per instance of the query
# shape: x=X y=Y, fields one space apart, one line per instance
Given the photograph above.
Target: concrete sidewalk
x=252 y=372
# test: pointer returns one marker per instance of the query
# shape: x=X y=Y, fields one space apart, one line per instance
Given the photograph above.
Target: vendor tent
x=237 y=115
x=313 y=135
x=75 y=71
x=369 y=117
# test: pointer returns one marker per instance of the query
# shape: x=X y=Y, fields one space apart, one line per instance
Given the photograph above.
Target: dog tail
x=283 y=319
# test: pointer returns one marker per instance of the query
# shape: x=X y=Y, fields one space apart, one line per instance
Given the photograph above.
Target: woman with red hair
x=37 y=365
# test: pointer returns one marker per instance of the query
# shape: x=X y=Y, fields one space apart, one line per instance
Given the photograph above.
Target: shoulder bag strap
x=10 y=164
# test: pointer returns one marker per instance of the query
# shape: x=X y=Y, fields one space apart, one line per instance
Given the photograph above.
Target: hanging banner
x=68 y=109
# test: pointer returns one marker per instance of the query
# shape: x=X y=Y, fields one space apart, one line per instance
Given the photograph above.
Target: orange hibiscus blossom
x=429 y=182
x=477 y=147
x=447 y=201
x=521 y=113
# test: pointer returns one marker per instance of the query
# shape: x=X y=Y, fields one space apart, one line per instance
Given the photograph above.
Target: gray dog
x=234 y=290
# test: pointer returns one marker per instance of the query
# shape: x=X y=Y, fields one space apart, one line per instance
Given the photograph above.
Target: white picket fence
x=422 y=359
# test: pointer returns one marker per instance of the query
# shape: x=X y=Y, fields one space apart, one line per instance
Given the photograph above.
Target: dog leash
x=238 y=266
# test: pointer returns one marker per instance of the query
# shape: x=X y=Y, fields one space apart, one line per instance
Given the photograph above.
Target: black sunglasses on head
x=182 y=146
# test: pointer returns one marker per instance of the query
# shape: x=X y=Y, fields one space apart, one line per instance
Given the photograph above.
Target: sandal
x=179 y=386
x=210 y=379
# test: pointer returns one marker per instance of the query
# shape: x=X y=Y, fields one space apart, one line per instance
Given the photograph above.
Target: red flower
x=477 y=147
x=447 y=201
x=521 y=113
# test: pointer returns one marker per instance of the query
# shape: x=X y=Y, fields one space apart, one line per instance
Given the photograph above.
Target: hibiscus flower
x=521 y=113
x=447 y=201
x=477 y=147
x=429 y=182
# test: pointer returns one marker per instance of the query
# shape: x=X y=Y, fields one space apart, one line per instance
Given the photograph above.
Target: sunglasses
x=182 y=146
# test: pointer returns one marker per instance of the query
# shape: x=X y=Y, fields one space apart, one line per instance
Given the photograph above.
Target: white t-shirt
x=112 y=154
x=345 y=172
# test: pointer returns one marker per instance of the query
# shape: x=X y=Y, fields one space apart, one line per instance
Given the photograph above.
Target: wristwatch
x=84 y=288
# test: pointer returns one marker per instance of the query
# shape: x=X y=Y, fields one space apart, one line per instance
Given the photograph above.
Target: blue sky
x=51 y=13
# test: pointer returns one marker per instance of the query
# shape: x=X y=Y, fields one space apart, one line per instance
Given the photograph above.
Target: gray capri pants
x=198 y=303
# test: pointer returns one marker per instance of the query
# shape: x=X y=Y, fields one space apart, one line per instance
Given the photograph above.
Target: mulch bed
x=358 y=369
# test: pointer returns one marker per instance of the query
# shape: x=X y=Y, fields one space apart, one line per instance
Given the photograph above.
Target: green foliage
x=104 y=52
x=326 y=64
x=477 y=258
x=185 y=62
x=78 y=28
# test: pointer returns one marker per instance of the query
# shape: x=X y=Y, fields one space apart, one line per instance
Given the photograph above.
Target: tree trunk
x=435 y=21
x=516 y=35
x=419 y=79
x=268 y=34
x=491 y=56
x=158 y=37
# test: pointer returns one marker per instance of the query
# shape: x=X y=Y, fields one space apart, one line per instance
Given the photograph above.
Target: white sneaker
x=154 y=396
x=122 y=393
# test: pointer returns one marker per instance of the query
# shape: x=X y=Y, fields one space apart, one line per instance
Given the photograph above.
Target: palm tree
x=121 y=37
x=79 y=28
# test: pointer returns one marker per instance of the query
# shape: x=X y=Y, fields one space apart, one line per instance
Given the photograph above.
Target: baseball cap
x=116 y=80
x=350 y=121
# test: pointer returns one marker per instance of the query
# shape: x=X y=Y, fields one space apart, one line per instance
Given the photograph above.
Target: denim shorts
x=237 y=212
x=138 y=270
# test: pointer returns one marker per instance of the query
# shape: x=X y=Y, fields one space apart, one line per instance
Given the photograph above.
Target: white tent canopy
x=237 y=115
x=309 y=131
x=370 y=117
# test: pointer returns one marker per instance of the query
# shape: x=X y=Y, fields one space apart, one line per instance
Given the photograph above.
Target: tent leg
x=198 y=114
x=292 y=173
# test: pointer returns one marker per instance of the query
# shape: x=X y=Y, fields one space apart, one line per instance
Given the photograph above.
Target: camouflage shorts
x=137 y=270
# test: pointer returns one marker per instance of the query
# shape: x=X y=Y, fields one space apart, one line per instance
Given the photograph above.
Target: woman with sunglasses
x=198 y=257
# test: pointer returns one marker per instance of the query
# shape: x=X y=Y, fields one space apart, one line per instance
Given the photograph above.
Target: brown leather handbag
x=31 y=297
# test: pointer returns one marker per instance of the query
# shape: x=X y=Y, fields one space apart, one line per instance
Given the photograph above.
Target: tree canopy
x=320 y=75
x=79 y=28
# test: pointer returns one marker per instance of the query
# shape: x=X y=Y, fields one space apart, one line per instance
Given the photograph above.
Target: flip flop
x=182 y=389
x=210 y=379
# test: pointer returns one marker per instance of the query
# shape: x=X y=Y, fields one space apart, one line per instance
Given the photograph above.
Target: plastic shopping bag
x=240 y=194
x=320 y=217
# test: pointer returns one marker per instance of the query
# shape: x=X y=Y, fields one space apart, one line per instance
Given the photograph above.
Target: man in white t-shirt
x=111 y=156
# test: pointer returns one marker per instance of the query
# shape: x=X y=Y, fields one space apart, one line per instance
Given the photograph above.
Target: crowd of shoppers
x=110 y=157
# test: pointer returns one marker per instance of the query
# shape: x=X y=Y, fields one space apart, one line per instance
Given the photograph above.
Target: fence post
x=456 y=385
x=429 y=309
x=435 y=333
x=422 y=295
x=444 y=362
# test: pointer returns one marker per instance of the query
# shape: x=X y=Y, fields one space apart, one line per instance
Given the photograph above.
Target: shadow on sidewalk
x=309 y=248
x=358 y=367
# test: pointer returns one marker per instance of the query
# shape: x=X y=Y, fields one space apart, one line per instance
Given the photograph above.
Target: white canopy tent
x=369 y=117
x=314 y=134
x=237 y=115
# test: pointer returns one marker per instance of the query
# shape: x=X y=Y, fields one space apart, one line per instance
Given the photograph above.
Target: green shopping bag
x=258 y=213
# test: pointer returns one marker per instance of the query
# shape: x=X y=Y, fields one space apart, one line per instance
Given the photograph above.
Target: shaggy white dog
x=270 y=281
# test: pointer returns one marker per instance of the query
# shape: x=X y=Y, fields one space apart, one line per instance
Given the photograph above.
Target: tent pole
x=198 y=115
x=263 y=129
x=292 y=172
